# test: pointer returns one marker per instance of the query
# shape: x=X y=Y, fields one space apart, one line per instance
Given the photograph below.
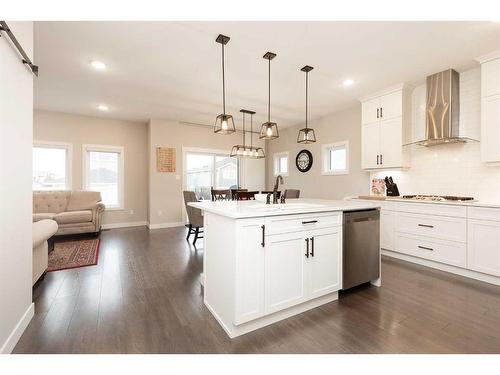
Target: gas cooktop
x=437 y=198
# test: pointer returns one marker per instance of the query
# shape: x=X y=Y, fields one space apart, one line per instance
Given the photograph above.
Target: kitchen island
x=264 y=263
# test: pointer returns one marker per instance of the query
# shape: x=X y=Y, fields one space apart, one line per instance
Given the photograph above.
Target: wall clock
x=304 y=160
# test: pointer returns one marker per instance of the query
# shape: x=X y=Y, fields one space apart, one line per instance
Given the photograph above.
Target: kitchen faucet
x=279 y=180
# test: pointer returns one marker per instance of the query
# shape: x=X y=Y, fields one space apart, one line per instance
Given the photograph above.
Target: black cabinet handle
x=307 y=248
x=312 y=247
x=381 y=115
x=381 y=162
x=426 y=248
x=263 y=243
x=377 y=112
x=310 y=222
x=377 y=158
x=426 y=225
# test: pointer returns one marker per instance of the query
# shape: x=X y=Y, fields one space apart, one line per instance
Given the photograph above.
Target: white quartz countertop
x=248 y=209
x=452 y=203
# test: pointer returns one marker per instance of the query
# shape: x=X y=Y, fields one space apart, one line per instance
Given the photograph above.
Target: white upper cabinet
x=490 y=107
x=490 y=77
x=391 y=105
x=371 y=111
x=386 y=128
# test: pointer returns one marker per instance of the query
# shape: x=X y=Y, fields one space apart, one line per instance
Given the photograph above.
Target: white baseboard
x=166 y=225
x=444 y=267
x=18 y=330
x=125 y=225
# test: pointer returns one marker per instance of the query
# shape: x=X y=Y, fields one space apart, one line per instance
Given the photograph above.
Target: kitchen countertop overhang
x=250 y=209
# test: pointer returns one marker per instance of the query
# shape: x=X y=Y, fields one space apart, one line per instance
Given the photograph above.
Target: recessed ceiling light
x=98 y=65
x=102 y=107
x=348 y=82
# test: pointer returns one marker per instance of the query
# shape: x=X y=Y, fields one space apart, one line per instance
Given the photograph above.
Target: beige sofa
x=75 y=211
x=42 y=231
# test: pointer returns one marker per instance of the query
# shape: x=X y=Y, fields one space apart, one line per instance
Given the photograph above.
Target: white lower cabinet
x=275 y=271
x=467 y=237
x=250 y=263
x=325 y=262
x=484 y=246
x=285 y=276
x=442 y=251
x=387 y=223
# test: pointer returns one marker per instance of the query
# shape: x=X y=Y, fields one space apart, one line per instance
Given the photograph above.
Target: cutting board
x=373 y=197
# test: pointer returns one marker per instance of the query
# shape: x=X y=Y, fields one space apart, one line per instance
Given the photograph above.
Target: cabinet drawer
x=432 y=209
x=440 y=227
x=294 y=223
x=484 y=213
x=447 y=252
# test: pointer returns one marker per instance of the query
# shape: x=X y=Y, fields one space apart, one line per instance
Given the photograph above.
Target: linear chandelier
x=244 y=151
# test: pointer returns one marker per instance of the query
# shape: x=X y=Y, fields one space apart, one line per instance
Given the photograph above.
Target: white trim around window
x=121 y=171
x=69 y=157
x=277 y=163
x=326 y=159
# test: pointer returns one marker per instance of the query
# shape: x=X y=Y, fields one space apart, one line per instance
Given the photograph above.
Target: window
x=281 y=164
x=205 y=169
x=103 y=172
x=51 y=166
x=335 y=158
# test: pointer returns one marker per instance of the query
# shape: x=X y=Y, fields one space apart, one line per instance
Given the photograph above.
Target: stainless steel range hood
x=442 y=109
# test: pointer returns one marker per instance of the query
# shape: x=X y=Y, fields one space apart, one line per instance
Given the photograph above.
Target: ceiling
x=172 y=70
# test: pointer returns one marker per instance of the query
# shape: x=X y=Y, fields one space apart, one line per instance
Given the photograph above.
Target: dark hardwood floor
x=144 y=296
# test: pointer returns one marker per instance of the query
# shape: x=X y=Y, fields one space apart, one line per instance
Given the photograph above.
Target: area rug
x=74 y=254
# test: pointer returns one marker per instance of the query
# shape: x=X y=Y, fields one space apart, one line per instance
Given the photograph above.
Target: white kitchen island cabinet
x=263 y=263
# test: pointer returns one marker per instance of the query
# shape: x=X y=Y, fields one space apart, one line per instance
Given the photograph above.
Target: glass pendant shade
x=251 y=152
x=224 y=124
x=269 y=130
x=306 y=135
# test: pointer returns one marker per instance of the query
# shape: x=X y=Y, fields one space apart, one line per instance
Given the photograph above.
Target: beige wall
x=80 y=130
x=16 y=135
x=165 y=189
x=340 y=126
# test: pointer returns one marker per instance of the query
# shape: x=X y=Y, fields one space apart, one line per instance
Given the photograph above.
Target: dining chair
x=195 y=216
x=292 y=193
x=235 y=191
x=246 y=195
x=220 y=194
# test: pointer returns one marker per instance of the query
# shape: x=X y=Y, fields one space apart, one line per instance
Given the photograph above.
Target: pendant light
x=269 y=130
x=244 y=151
x=306 y=135
x=224 y=123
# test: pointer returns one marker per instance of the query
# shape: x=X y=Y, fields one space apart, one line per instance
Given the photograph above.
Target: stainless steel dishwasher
x=361 y=247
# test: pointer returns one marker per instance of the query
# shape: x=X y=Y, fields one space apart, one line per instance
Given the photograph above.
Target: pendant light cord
x=223 y=84
x=251 y=130
x=244 y=144
x=307 y=85
x=269 y=94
